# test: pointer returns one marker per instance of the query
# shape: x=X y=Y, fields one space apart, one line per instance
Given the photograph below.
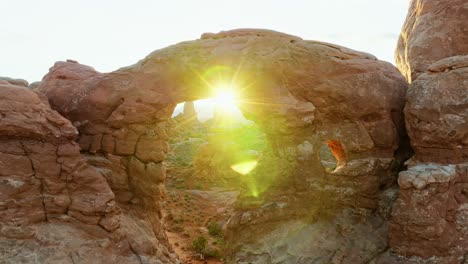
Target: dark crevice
x=41 y=181
x=114 y=108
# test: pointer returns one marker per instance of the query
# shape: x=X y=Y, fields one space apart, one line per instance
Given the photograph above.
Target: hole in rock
x=214 y=151
x=332 y=155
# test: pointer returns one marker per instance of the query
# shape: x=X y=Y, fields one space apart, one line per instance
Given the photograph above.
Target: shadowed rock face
x=302 y=94
x=433 y=30
x=430 y=217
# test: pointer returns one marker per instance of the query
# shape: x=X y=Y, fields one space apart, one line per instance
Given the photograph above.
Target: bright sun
x=225 y=98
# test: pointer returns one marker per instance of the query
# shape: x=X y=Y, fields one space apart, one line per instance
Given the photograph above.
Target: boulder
x=436 y=112
x=433 y=30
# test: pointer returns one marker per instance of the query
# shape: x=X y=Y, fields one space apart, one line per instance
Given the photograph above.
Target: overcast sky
x=109 y=34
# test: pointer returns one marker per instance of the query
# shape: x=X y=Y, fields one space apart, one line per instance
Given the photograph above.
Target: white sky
x=109 y=34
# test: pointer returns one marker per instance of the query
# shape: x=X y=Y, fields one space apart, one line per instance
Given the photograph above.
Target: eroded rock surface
x=54 y=207
x=345 y=238
x=44 y=174
x=430 y=216
x=429 y=219
x=301 y=93
x=437 y=113
x=433 y=30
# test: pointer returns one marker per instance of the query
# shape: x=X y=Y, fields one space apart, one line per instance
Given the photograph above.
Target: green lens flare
x=254 y=191
x=244 y=167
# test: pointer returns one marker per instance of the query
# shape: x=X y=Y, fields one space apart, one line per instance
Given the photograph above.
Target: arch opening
x=213 y=152
x=208 y=134
x=332 y=155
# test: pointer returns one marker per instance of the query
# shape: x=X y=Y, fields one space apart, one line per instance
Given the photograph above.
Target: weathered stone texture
x=302 y=94
x=433 y=30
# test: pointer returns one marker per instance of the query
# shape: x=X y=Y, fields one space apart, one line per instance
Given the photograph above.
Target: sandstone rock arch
x=301 y=93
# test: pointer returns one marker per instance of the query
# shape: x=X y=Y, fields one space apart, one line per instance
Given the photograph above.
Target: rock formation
x=301 y=93
x=122 y=134
x=103 y=204
x=54 y=207
x=189 y=111
x=18 y=82
x=436 y=112
x=430 y=217
x=34 y=85
x=433 y=30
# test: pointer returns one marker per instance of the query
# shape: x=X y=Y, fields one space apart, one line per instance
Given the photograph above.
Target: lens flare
x=225 y=98
x=244 y=167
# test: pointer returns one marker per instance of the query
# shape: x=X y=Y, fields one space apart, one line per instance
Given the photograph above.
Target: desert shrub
x=183 y=152
x=199 y=244
x=214 y=229
x=211 y=252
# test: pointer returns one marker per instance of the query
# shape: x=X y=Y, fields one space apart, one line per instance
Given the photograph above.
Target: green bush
x=211 y=253
x=199 y=244
x=214 y=229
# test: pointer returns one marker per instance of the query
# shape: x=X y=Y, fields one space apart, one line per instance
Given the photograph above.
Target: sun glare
x=225 y=98
x=244 y=167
